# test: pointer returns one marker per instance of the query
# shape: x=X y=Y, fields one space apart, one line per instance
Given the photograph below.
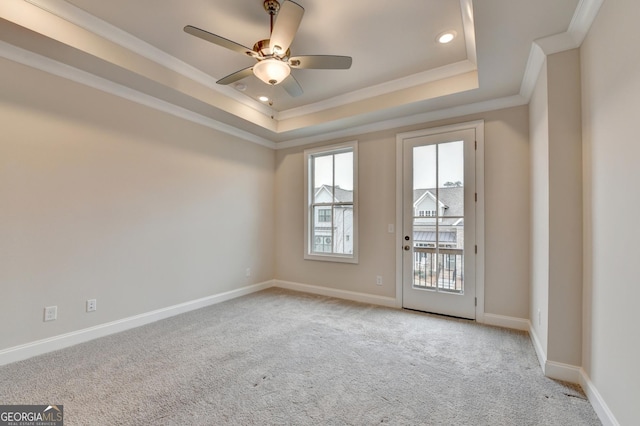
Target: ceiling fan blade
x=220 y=41
x=326 y=62
x=292 y=86
x=286 y=25
x=238 y=75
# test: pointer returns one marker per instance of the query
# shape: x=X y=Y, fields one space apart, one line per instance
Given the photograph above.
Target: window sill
x=332 y=258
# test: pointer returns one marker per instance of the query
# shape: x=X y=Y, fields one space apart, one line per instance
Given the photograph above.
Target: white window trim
x=308 y=195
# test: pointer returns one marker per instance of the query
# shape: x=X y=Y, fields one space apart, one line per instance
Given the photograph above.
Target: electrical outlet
x=92 y=305
x=51 y=313
x=379 y=280
x=247 y=272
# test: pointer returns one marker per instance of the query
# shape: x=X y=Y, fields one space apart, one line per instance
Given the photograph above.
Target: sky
x=343 y=167
x=450 y=164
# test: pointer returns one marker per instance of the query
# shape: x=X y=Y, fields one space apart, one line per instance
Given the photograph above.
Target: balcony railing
x=438 y=269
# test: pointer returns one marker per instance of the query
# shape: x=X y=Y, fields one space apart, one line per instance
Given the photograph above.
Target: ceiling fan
x=273 y=54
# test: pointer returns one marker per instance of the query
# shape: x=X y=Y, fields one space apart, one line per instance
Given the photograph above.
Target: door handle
x=407 y=247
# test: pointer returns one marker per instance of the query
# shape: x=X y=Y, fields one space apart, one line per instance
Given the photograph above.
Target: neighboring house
x=447 y=204
x=333 y=233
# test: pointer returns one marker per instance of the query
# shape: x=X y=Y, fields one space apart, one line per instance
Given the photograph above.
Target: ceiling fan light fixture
x=271 y=71
x=446 y=37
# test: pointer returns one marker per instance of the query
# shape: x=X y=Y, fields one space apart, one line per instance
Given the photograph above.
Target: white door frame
x=478 y=126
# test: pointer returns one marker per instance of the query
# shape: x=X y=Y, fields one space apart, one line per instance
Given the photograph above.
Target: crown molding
x=441 y=114
x=581 y=22
x=583 y=18
x=468 y=23
x=385 y=88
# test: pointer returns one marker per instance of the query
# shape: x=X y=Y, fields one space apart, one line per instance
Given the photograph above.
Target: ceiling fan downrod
x=272 y=7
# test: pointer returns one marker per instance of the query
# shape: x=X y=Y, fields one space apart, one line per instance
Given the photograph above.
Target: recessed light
x=241 y=87
x=264 y=98
x=446 y=37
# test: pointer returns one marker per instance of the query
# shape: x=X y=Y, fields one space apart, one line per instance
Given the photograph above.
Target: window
x=324 y=215
x=331 y=203
x=322 y=244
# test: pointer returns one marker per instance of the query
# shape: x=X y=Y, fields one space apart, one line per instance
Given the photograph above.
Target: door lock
x=407 y=238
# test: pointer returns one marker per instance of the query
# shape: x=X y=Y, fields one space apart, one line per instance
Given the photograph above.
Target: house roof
x=340 y=195
x=451 y=197
x=430 y=236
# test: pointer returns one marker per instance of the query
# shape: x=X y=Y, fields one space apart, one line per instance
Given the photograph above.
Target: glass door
x=438 y=223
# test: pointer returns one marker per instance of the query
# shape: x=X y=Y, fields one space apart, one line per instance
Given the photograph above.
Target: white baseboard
x=504 y=321
x=553 y=369
x=537 y=345
x=560 y=371
x=43 y=346
x=339 y=294
x=597 y=402
x=573 y=374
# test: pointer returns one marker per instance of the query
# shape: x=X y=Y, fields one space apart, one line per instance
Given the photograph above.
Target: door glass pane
x=424 y=184
x=438 y=220
x=451 y=165
x=451 y=222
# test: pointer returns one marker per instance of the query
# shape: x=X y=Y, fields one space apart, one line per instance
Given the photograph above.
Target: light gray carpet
x=280 y=357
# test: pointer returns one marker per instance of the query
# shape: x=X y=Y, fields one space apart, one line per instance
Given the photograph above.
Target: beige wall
x=539 y=140
x=506 y=212
x=565 y=208
x=556 y=194
x=556 y=202
x=611 y=105
x=103 y=198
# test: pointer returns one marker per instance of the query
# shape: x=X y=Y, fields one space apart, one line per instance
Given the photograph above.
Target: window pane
x=324 y=215
x=322 y=236
x=344 y=177
x=343 y=229
x=323 y=179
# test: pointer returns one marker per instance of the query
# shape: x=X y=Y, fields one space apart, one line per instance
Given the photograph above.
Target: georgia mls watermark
x=31 y=415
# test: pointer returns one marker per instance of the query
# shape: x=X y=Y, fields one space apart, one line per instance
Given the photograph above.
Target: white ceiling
x=398 y=72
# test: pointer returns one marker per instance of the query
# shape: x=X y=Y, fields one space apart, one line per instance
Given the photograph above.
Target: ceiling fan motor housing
x=263 y=48
x=272 y=6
